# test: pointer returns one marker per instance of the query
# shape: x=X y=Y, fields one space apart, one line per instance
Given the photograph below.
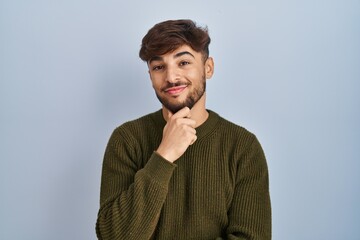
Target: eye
x=183 y=63
x=157 y=67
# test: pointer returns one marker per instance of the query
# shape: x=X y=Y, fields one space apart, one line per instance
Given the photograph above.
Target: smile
x=175 y=90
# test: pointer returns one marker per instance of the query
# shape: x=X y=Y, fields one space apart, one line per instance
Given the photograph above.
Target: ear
x=209 y=67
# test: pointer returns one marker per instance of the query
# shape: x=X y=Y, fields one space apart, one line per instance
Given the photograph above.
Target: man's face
x=179 y=77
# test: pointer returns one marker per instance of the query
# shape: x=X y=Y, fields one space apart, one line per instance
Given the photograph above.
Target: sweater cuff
x=160 y=169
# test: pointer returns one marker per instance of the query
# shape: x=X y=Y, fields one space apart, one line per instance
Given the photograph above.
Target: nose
x=172 y=75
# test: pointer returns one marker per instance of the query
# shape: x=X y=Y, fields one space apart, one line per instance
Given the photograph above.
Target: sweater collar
x=201 y=131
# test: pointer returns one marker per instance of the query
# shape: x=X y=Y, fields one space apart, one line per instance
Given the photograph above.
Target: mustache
x=176 y=84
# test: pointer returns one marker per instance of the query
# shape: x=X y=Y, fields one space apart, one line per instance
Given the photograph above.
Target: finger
x=186 y=121
x=169 y=114
x=193 y=140
x=190 y=129
x=183 y=113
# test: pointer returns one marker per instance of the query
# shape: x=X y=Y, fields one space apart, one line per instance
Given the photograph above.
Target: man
x=182 y=172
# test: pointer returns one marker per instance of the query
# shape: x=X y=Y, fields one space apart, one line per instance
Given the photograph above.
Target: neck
x=198 y=112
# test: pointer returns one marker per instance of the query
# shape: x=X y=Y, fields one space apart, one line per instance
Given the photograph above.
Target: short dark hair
x=167 y=36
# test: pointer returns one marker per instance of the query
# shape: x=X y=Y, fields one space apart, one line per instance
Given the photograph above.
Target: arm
x=130 y=199
x=250 y=211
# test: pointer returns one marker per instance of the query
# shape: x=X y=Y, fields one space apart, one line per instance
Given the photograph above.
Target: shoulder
x=243 y=142
x=141 y=123
x=234 y=130
x=235 y=136
x=148 y=124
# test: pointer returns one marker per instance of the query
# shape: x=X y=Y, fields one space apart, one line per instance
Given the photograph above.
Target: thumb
x=169 y=114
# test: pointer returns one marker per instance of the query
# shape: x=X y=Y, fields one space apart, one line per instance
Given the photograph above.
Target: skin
x=178 y=79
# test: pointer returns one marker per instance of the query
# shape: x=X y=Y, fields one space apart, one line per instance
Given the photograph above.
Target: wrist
x=166 y=155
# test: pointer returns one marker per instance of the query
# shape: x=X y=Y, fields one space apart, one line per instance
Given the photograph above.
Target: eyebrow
x=158 y=58
x=183 y=53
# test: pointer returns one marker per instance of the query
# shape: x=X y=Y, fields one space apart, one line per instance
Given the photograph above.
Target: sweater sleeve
x=131 y=199
x=250 y=211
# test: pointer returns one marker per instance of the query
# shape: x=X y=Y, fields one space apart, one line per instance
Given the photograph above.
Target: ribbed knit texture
x=218 y=189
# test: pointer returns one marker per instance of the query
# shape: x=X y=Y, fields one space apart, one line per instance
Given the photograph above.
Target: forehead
x=183 y=50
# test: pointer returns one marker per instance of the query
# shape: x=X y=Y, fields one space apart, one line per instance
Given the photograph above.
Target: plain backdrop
x=288 y=71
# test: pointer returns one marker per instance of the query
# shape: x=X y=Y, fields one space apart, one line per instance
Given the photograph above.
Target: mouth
x=175 y=90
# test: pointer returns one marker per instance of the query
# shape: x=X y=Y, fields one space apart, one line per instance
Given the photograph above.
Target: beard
x=191 y=99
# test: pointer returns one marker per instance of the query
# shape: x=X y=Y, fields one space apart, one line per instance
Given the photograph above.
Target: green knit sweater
x=217 y=190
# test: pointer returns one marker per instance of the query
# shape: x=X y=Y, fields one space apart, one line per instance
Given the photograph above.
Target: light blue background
x=289 y=71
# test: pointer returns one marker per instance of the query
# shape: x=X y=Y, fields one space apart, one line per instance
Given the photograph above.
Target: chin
x=175 y=108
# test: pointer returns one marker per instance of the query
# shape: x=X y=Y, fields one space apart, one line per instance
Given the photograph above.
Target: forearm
x=134 y=212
